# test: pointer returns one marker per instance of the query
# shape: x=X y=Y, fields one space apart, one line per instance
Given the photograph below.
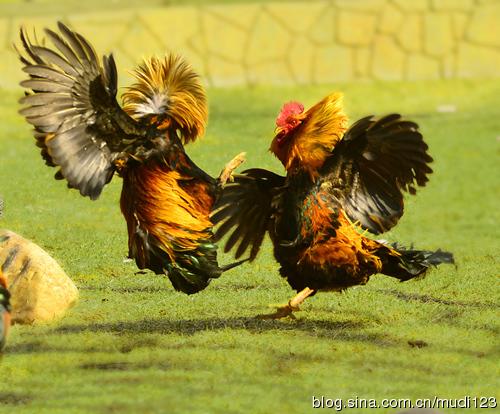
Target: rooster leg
x=227 y=173
x=292 y=306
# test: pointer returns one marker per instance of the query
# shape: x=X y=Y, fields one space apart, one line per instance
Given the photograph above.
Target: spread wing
x=71 y=102
x=246 y=209
x=373 y=165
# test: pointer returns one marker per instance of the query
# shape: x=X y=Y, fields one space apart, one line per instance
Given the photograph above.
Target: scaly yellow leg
x=227 y=172
x=292 y=306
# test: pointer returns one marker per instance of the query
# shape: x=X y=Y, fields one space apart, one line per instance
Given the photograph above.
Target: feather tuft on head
x=169 y=87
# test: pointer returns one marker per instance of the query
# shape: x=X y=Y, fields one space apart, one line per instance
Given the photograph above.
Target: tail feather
x=405 y=264
x=186 y=281
x=234 y=264
x=193 y=270
x=193 y=273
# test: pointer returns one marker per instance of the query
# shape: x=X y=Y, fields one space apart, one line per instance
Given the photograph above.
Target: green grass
x=133 y=345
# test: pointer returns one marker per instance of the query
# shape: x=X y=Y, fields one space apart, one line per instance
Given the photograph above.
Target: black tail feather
x=234 y=264
x=405 y=264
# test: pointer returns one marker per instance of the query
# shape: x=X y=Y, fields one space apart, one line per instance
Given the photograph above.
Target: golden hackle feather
x=169 y=86
x=322 y=127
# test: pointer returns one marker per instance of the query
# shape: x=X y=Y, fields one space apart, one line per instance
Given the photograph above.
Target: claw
x=292 y=306
x=227 y=173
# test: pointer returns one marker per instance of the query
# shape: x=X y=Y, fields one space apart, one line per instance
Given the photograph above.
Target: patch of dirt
x=10 y=398
x=110 y=366
x=417 y=343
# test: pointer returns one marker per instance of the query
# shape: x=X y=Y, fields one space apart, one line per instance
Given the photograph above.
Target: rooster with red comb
x=340 y=183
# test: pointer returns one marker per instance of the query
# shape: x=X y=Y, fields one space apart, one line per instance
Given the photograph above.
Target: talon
x=227 y=173
x=288 y=309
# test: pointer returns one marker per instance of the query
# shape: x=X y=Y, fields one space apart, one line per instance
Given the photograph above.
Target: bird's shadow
x=346 y=331
x=193 y=326
x=422 y=298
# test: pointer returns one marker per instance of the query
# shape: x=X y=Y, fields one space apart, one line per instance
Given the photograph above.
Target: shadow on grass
x=345 y=331
x=430 y=299
x=193 y=326
x=334 y=331
x=9 y=398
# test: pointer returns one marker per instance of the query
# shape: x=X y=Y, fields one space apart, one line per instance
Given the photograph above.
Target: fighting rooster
x=339 y=184
x=80 y=127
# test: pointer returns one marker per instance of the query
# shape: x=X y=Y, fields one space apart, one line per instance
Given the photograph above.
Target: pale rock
x=242 y=15
x=477 y=61
x=362 y=56
x=356 y=28
x=361 y=5
x=459 y=23
x=392 y=18
x=410 y=34
x=296 y=17
x=223 y=73
x=324 y=29
x=224 y=38
x=412 y=5
x=484 y=27
x=269 y=41
x=438 y=34
x=464 y=5
x=422 y=67
x=333 y=64
x=388 y=60
x=40 y=289
x=274 y=73
x=301 y=58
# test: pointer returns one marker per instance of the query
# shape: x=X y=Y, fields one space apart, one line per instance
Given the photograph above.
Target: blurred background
x=238 y=42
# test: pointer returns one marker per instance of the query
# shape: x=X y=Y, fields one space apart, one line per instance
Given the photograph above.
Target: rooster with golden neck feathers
x=340 y=183
x=80 y=127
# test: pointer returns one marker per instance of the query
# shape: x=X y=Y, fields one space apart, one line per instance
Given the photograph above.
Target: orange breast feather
x=344 y=247
x=173 y=208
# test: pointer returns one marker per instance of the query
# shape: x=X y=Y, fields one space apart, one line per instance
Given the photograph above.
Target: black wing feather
x=373 y=165
x=71 y=102
x=246 y=208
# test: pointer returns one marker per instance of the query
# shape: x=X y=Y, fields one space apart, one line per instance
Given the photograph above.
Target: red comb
x=290 y=108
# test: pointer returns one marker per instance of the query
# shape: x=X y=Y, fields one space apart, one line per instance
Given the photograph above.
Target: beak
x=278 y=130
x=280 y=134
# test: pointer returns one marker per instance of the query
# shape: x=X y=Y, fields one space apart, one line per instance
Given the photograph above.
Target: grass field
x=133 y=345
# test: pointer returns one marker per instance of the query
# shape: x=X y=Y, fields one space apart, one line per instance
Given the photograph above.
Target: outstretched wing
x=71 y=102
x=373 y=165
x=246 y=209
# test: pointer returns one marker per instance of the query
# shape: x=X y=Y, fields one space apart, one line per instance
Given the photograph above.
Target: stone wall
x=294 y=42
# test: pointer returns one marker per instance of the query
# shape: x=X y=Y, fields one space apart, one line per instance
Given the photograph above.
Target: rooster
x=4 y=311
x=340 y=183
x=81 y=128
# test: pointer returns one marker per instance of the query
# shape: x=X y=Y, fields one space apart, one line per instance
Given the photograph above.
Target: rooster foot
x=227 y=173
x=290 y=307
